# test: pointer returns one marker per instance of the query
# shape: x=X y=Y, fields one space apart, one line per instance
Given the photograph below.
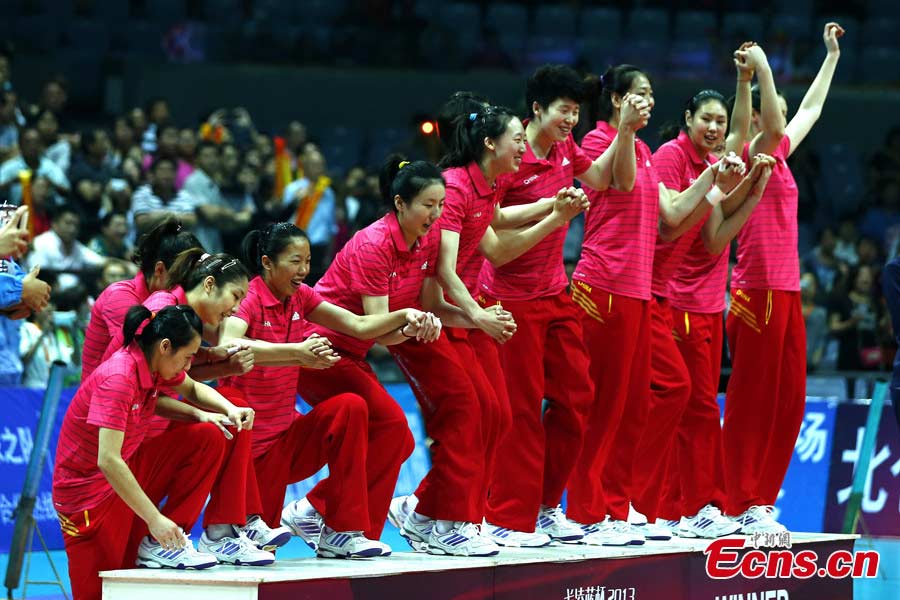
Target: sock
x=217 y=532
x=419 y=519
x=442 y=526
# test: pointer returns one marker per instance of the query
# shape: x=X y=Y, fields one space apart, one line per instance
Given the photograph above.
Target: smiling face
x=220 y=302
x=558 y=119
x=417 y=217
x=285 y=272
x=509 y=148
x=170 y=362
x=706 y=126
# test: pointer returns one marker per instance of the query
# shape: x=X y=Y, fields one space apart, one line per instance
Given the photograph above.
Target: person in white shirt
x=60 y=250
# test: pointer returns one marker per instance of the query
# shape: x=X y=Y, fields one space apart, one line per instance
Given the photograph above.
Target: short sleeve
x=370 y=269
x=309 y=299
x=111 y=402
x=142 y=201
x=580 y=160
x=784 y=148
x=159 y=300
x=455 y=205
x=249 y=306
x=669 y=163
x=595 y=143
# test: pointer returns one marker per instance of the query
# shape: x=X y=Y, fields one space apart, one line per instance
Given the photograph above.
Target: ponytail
x=616 y=80
x=163 y=243
x=400 y=177
x=470 y=130
x=270 y=241
x=179 y=324
x=193 y=265
x=459 y=103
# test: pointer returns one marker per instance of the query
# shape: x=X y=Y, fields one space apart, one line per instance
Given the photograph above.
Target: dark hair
x=163 y=243
x=270 y=241
x=407 y=180
x=39 y=114
x=108 y=217
x=755 y=99
x=193 y=266
x=669 y=130
x=551 y=82
x=205 y=146
x=470 y=130
x=89 y=137
x=616 y=80
x=59 y=210
x=459 y=103
x=179 y=324
x=158 y=160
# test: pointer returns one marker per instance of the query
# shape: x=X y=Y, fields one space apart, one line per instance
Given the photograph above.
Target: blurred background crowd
x=100 y=137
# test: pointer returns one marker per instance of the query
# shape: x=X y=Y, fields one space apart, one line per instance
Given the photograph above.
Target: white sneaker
x=346 y=544
x=709 y=523
x=652 y=531
x=400 y=508
x=672 y=526
x=151 y=554
x=758 y=519
x=416 y=530
x=266 y=538
x=461 y=539
x=503 y=536
x=553 y=522
x=635 y=517
x=626 y=528
x=237 y=550
x=603 y=534
x=303 y=521
x=385 y=549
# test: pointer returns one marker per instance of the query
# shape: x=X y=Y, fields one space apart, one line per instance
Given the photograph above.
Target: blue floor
x=884 y=587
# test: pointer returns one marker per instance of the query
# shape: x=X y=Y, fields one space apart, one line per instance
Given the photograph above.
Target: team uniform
x=546 y=358
x=100 y=531
x=464 y=414
x=107 y=318
x=695 y=294
x=376 y=262
x=612 y=285
x=289 y=446
x=766 y=393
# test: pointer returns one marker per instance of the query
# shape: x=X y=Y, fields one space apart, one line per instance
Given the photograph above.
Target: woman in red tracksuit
x=109 y=479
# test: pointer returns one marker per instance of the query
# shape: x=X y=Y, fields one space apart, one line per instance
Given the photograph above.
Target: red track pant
x=766 y=394
x=617 y=336
x=332 y=433
x=390 y=441
x=546 y=358
x=669 y=392
x=463 y=418
x=700 y=477
x=180 y=465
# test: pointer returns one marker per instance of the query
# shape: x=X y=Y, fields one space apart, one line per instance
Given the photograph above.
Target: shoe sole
x=294 y=532
x=254 y=563
x=515 y=545
x=442 y=552
x=567 y=539
x=371 y=553
x=279 y=541
x=152 y=564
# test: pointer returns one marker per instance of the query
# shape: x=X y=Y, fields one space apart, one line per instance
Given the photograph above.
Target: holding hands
x=424 y=326
x=729 y=172
x=569 y=203
x=316 y=353
x=832 y=32
x=634 y=113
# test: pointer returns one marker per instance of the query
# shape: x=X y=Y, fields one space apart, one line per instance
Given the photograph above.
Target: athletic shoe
x=652 y=531
x=635 y=517
x=238 y=550
x=636 y=538
x=266 y=538
x=385 y=549
x=602 y=534
x=152 y=555
x=709 y=523
x=503 y=536
x=462 y=539
x=346 y=544
x=400 y=508
x=303 y=521
x=672 y=526
x=553 y=522
x=416 y=530
x=758 y=519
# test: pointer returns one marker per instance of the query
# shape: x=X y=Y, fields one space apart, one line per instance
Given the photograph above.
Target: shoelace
x=555 y=513
x=245 y=542
x=189 y=548
x=763 y=511
x=710 y=512
x=470 y=530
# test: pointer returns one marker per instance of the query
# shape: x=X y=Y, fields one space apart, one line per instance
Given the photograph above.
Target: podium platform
x=674 y=570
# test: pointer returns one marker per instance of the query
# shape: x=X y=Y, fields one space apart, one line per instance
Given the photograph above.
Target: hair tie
x=204 y=256
x=473 y=116
x=403 y=163
x=603 y=81
x=143 y=325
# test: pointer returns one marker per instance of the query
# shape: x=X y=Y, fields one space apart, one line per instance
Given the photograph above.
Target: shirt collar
x=397 y=233
x=179 y=294
x=145 y=378
x=530 y=156
x=478 y=180
x=687 y=145
x=268 y=299
x=140 y=285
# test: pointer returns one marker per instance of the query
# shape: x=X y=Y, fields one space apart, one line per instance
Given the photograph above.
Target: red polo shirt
x=107 y=318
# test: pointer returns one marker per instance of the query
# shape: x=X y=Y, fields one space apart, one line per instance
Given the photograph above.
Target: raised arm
x=721 y=228
x=771 y=118
x=739 y=125
x=680 y=211
x=811 y=107
x=616 y=165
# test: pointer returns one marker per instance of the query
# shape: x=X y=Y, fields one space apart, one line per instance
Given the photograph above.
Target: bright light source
x=427 y=128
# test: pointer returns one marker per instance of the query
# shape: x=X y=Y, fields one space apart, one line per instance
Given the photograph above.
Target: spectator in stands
x=60 y=250
x=848 y=237
x=167 y=147
x=55 y=98
x=90 y=175
x=122 y=142
x=57 y=147
x=111 y=242
x=20 y=294
x=885 y=215
x=816 y=319
x=44 y=201
x=824 y=264
x=868 y=253
x=31 y=161
x=312 y=202
x=54 y=334
x=363 y=199
x=157 y=114
x=153 y=201
x=9 y=126
x=113 y=271
x=187 y=145
x=854 y=320
x=295 y=138
x=215 y=214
